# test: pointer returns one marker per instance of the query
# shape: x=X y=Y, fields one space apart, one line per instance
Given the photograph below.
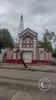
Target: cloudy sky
x=38 y=15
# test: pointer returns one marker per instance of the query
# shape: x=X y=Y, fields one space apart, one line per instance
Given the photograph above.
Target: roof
x=28 y=30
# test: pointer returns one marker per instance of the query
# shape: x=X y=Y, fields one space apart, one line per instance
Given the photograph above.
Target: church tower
x=21 y=24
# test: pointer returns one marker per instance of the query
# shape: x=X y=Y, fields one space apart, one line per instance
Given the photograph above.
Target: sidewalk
x=43 y=68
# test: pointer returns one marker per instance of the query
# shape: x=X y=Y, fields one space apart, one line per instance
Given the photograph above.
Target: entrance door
x=27 y=56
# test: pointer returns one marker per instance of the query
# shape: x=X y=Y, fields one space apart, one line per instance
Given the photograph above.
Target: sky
x=38 y=15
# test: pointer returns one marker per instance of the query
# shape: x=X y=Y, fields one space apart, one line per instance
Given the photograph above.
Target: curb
x=30 y=69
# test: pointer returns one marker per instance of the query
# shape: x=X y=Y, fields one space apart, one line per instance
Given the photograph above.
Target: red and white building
x=30 y=47
x=31 y=50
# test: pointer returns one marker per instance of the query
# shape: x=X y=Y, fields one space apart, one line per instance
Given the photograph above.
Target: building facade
x=30 y=47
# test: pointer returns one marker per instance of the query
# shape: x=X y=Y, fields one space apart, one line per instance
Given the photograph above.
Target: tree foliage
x=48 y=38
x=54 y=53
x=5 y=39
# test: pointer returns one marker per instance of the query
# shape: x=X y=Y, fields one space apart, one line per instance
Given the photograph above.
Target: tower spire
x=21 y=26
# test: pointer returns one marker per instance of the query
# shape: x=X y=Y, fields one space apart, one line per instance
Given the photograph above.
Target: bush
x=54 y=54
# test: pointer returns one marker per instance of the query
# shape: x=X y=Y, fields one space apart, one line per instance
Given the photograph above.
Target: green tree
x=5 y=38
x=48 y=38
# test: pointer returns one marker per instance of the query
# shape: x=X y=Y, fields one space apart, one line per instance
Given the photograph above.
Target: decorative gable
x=28 y=32
x=28 y=39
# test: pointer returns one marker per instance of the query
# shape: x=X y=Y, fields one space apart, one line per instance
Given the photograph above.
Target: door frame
x=26 y=52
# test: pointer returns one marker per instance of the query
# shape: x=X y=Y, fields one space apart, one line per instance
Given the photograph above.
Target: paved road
x=22 y=85
x=27 y=74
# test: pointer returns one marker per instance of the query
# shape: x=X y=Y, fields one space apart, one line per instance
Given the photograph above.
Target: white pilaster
x=20 y=44
x=34 y=49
